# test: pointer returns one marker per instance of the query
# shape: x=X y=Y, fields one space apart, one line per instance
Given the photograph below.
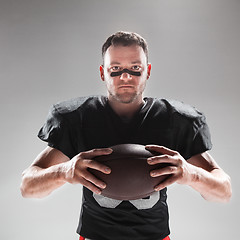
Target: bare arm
x=209 y=179
x=52 y=169
x=201 y=172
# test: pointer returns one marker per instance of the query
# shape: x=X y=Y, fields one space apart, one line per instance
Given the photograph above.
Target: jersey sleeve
x=199 y=139
x=56 y=131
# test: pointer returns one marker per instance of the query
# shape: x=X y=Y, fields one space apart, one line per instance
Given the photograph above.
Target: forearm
x=213 y=186
x=39 y=182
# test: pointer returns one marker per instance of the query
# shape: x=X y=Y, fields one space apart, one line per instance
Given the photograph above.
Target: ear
x=101 y=72
x=149 y=70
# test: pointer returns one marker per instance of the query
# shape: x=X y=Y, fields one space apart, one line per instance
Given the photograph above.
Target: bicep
x=205 y=161
x=49 y=157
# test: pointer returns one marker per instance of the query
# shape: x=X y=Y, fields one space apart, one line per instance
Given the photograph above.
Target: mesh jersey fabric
x=86 y=123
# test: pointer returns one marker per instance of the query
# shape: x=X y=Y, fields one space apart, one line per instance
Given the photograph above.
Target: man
x=82 y=128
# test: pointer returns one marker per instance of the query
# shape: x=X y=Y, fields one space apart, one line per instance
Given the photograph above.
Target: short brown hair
x=125 y=39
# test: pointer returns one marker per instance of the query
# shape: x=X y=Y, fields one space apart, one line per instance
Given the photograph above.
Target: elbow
x=28 y=190
x=24 y=187
x=223 y=193
x=226 y=194
x=228 y=190
x=24 y=192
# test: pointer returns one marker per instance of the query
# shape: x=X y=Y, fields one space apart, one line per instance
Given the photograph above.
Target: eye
x=115 y=68
x=136 y=68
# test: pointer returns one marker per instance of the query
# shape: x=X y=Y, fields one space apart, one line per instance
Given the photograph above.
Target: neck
x=126 y=110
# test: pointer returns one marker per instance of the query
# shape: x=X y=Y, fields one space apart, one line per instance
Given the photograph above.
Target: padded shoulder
x=72 y=105
x=183 y=109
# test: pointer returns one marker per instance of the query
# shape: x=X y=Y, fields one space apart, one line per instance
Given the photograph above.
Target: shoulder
x=70 y=111
x=180 y=111
x=77 y=104
x=183 y=109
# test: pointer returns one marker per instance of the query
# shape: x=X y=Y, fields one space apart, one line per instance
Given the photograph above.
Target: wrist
x=59 y=173
x=194 y=176
x=198 y=179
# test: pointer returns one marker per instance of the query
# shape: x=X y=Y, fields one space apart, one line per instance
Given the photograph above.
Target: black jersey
x=86 y=123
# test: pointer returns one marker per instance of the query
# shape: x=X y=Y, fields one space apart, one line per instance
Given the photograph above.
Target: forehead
x=124 y=55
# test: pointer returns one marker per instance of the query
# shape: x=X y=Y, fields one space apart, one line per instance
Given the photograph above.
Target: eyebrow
x=139 y=62
x=112 y=63
x=118 y=63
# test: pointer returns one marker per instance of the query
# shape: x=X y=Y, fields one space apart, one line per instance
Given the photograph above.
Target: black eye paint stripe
x=114 y=74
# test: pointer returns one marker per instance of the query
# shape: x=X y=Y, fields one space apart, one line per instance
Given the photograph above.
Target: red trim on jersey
x=167 y=238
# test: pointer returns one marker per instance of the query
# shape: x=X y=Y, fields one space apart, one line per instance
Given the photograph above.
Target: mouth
x=126 y=86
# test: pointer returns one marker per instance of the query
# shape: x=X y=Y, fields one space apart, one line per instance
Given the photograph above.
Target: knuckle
x=89 y=162
x=95 y=150
x=172 y=169
x=181 y=174
x=179 y=162
x=167 y=156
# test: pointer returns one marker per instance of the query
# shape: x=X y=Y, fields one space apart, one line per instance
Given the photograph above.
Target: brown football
x=130 y=176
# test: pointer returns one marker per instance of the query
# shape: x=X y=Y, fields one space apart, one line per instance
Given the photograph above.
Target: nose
x=125 y=76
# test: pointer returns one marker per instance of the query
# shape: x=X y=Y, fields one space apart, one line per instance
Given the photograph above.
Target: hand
x=76 y=170
x=179 y=170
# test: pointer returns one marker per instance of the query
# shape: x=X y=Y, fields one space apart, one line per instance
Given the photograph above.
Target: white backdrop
x=50 y=50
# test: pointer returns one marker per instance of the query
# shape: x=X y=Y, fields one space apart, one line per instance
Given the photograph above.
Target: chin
x=126 y=98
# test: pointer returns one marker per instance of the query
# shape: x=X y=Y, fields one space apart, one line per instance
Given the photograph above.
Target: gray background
x=50 y=51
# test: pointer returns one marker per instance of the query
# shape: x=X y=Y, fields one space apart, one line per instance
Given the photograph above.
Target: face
x=125 y=88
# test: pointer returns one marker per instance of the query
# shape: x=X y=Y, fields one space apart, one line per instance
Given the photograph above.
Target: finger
x=169 y=181
x=163 y=171
x=161 y=159
x=92 y=179
x=160 y=149
x=91 y=186
x=97 y=166
x=96 y=152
